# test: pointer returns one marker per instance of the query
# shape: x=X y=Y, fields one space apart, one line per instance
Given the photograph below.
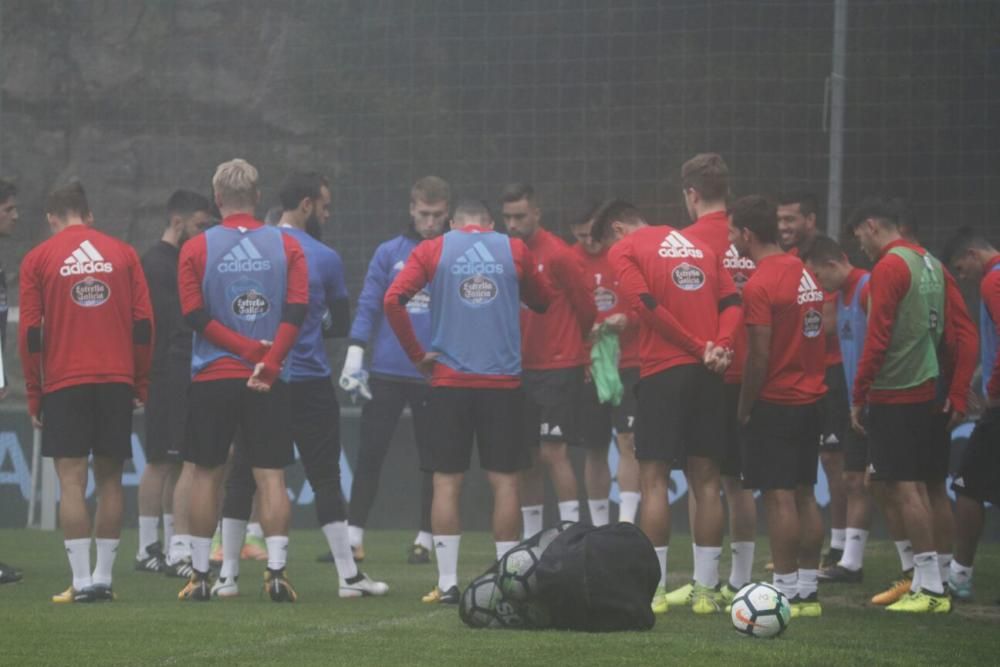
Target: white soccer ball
x=517 y=578
x=760 y=610
x=479 y=604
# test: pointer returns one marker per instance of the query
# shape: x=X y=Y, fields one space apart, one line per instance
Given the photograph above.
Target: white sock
x=628 y=506
x=277 y=551
x=168 y=528
x=340 y=546
x=959 y=573
x=233 y=532
x=180 y=548
x=599 y=512
x=355 y=535
x=808 y=583
x=915 y=581
x=905 y=551
x=837 y=538
x=255 y=530
x=944 y=564
x=201 y=548
x=742 y=565
x=787 y=584
x=424 y=539
x=446 y=553
x=78 y=552
x=661 y=555
x=106 y=551
x=926 y=564
x=532 y=515
x=569 y=510
x=148 y=528
x=504 y=547
x=854 y=549
x=706 y=565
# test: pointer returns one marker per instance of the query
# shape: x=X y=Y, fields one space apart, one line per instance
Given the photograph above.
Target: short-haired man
x=705 y=181
x=554 y=358
x=779 y=398
x=835 y=274
x=315 y=413
x=86 y=336
x=478 y=278
x=244 y=289
x=974 y=258
x=188 y=214
x=797 y=228
x=599 y=422
x=689 y=310
x=8 y=219
x=912 y=314
x=395 y=382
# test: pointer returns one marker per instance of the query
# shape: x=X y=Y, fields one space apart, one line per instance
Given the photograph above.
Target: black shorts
x=491 y=417
x=551 y=398
x=731 y=463
x=836 y=410
x=781 y=446
x=166 y=413
x=855 y=451
x=901 y=441
x=217 y=409
x=940 y=454
x=88 y=419
x=679 y=415
x=597 y=421
x=979 y=475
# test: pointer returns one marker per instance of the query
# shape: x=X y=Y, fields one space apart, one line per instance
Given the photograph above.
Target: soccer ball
x=517 y=579
x=525 y=615
x=479 y=603
x=760 y=610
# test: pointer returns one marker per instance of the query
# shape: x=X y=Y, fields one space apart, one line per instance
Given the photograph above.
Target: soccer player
x=244 y=289
x=554 y=358
x=974 y=258
x=86 y=336
x=705 y=179
x=477 y=279
x=315 y=420
x=8 y=219
x=395 y=382
x=779 y=398
x=909 y=317
x=599 y=421
x=835 y=274
x=797 y=228
x=188 y=214
x=690 y=311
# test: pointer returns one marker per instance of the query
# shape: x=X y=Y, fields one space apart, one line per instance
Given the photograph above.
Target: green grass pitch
x=148 y=626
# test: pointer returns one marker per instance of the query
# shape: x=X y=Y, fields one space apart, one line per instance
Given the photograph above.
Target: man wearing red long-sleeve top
x=910 y=316
x=974 y=258
x=244 y=290
x=554 y=358
x=598 y=421
x=86 y=342
x=477 y=278
x=689 y=310
x=779 y=398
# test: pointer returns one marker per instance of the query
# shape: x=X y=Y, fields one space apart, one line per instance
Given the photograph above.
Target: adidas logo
x=85 y=259
x=398 y=266
x=476 y=260
x=676 y=246
x=808 y=291
x=733 y=261
x=243 y=258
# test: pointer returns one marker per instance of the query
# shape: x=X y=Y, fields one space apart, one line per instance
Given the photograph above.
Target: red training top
x=191 y=274
x=419 y=271
x=832 y=356
x=608 y=300
x=86 y=317
x=989 y=292
x=782 y=295
x=555 y=339
x=681 y=292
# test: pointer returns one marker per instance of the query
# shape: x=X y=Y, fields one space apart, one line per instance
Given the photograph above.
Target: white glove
x=353 y=377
